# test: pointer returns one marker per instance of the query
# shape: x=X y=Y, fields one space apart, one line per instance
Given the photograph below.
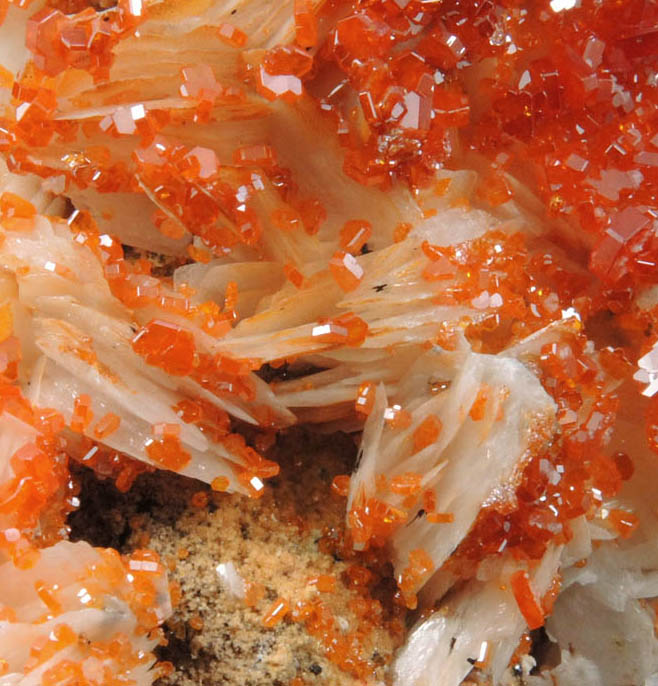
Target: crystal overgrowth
x=432 y=224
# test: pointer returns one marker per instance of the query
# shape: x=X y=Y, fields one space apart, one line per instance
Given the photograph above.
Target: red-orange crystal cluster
x=563 y=100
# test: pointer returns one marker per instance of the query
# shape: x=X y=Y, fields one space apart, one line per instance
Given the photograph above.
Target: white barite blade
x=77 y=339
x=472 y=463
x=481 y=624
x=484 y=456
x=92 y=597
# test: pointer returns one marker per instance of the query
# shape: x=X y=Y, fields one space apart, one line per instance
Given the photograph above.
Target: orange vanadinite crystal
x=624 y=522
x=429 y=500
x=168 y=226
x=434 y=252
x=408 y=483
x=82 y=40
x=440 y=267
x=8 y=614
x=288 y=59
x=397 y=418
x=214 y=421
x=107 y=425
x=306 y=26
x=286 y=219
x=48 y=595
x=231 y=299
x=161 y=670
x=440 y=517
x=166 y=449
x=346 y=329
x=200 y=499
x=166 y=345
x=38 y=475
x=199 y=83
x=527 y=600
x=48 y=421
x=232 y=35
x=427 y=432
x=220 y=484
x=188 y=410
x=476 y=413
x=256 y=464
x=401 y=231
x=345 y=269
x=288 y=87
x=441 y=186
x=313 y=214
x=250 y=481
x=276 y=612
x=18 y=548
x=16 y=214
x=255 y=156
x=371 y=519
x=365 y=398
x=358 y=576
x=293 y=275
x=6 y=322
x=254 y=593
x=82 y=413
x=354 y=235
x=64 y=672
x=340 y=485
x=325 y=583
x=495 y=189
x=414 y=575
x=44 y=648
